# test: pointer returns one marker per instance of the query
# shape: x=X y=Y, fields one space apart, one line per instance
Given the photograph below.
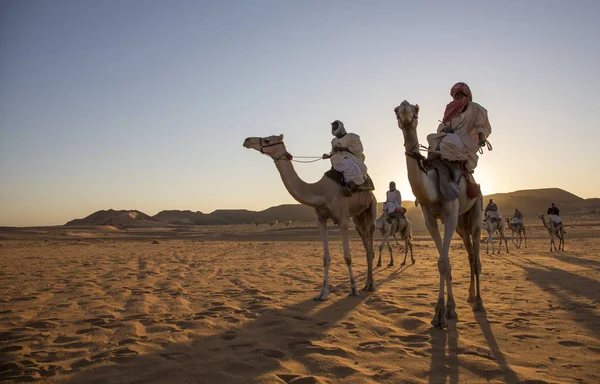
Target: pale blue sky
x=145 y=104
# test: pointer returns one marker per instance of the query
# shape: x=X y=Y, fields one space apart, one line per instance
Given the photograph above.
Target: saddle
x=338 y=177
x=449 y=174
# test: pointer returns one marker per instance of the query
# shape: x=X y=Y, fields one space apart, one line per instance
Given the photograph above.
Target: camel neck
x=304 y=193
x=421 y=185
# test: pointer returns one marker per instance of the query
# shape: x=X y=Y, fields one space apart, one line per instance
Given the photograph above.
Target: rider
x=393 y=203
x=492 y=212
x=347 y=157
x=554 y=214
x=517 y=217
x=464 y=128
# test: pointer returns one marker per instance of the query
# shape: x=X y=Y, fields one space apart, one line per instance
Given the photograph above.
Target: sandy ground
x=234 y=305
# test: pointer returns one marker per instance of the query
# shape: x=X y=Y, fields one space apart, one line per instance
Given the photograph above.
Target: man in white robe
x=464 y=128
x=347 y=157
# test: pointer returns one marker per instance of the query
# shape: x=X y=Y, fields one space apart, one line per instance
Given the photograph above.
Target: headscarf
x=337 y=129
x=455 y=107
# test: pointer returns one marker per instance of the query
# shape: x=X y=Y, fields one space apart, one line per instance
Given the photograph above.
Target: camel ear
x=281 y=137
x=417 y=109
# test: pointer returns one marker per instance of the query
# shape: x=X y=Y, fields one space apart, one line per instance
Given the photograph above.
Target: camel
x=492 y=226
x=326 y=197
x=554 y=231
x=462 y=214
x=401 y=226
x=519 y=229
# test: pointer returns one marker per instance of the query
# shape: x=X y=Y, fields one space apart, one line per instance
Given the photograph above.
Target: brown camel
x=554 y=230
x=462 y=214
x=326 y=197
x=519 y=229
x=399 y=225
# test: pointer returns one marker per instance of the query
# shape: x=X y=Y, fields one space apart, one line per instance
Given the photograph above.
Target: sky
x=145 y=104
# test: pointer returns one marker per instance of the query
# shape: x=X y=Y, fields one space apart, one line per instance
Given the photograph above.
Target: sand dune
x=109 y=308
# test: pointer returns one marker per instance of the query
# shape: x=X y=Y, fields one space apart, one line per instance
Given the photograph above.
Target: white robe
x=463 y=144
x=393 y=201
x=356 y=172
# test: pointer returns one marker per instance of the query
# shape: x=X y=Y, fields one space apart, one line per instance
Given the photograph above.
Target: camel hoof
x=370 y=287
x=392 y=264
x=478 y=307
x=354 y=292
x=451 y=314
x=403 y=264
x=439 y=320
x=379 y=264
x=320 y=297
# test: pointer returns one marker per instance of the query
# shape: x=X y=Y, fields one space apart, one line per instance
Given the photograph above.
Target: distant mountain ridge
x=530 y=202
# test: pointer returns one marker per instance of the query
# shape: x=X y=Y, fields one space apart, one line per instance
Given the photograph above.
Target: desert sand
x=233 y=304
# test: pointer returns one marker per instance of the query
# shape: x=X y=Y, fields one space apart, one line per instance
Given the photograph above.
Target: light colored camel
x=326 y=197
x=462 y=214
x=554 y=231
x=519 y=229
x=494 y=227
x=399 y=225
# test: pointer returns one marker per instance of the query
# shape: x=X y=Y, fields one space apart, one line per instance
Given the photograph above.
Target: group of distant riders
x=463 y=130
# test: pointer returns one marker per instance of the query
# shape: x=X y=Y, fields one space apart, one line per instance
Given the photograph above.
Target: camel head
x=407 y=115
x=271 y=145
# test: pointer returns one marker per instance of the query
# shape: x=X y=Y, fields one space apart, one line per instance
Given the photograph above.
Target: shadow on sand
x=254 y=351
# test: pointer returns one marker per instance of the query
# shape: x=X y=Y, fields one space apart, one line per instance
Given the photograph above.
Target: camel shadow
x=253 y=352
x=445 y=368
x=564 y=285
x=579 y=261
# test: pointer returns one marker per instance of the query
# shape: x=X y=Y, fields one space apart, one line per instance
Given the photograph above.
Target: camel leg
x=391 y=264
x=450 y=225
x=348 y=256
x=439 y=318
x=409 y=242
x=470 y=226
x=525 y=237
x=505 y=241
x=405 y=251
x=364 y=224
x=385 y=234
x=323 y=295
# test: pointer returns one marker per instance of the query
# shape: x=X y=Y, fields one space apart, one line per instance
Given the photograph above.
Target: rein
x=286 y=156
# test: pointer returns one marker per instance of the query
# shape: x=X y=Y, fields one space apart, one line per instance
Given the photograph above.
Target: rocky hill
x=530 y=202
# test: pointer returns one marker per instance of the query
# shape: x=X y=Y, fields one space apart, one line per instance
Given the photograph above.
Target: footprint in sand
x=297 y=379
x=372 y=346
x=526 y=336
x=173 y=355
x=410 y=338
x=11 y=348
x=299 y=343
x=570 y=343
x=228 y=335
x=348 y=325
x=273 y=353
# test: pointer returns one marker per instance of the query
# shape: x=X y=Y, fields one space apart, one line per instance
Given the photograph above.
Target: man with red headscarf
x=464 y=128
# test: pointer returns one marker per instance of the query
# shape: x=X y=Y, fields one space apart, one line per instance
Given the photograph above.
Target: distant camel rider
x=517 y=217
x=464 y=128
x=393 y=203
x=492 y=212
x=554 y=214
x=347 y=157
